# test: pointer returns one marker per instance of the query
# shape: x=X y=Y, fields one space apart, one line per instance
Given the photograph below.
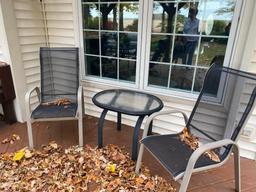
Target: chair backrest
x=223 y=105
x=59 y=73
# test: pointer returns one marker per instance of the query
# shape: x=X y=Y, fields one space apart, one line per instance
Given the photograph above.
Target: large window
x=110 y=38
x=185 y=37
x=180 y=39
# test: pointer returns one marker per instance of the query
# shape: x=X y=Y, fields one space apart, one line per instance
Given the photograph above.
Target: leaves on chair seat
x=62 y=101
x=193 y=143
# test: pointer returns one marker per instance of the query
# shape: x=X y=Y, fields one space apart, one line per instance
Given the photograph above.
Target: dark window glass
x=181 y=77
x=91 y=42
x=127 y=70
x=93 y=65
x=109 y=68
x=199 y=79
x=109 y=44
x=158 y=74
x=160 y=48
x=127 y=45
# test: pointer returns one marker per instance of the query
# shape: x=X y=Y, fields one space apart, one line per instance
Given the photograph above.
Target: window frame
x=143 y=52
x=104 y=80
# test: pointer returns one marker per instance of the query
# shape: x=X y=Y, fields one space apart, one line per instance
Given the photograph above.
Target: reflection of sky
x=127 y=15
x=205 y=8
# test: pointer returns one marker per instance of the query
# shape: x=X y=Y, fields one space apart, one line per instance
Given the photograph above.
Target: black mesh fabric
x=222 y=107
x=59 y=73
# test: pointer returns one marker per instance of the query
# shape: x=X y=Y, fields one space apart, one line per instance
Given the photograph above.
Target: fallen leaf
x=19 y=155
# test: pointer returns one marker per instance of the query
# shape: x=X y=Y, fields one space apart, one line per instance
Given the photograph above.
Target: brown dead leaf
x=212 y=155
x=76 y=169
x=193 y=143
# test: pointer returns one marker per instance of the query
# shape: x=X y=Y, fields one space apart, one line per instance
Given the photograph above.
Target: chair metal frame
x=78 y=116
x=184 y=177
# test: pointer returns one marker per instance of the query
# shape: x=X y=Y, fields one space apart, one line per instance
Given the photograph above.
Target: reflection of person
x=191 y=26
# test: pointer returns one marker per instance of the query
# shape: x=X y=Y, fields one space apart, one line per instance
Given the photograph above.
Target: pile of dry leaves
x=75 y=169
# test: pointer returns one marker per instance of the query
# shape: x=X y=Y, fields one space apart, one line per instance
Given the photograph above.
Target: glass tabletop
x=128 y=102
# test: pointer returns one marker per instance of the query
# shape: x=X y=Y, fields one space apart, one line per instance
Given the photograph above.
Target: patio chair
x=59 y=79
x=217 y=119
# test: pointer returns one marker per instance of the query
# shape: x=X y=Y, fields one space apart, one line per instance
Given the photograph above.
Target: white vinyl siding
x=60 y=22
x=31 y=35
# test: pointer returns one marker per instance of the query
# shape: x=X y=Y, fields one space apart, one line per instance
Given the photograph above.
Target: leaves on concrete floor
x=11 y=140
x=75 y=169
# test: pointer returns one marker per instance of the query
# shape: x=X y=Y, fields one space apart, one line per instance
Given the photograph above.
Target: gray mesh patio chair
x=59 y=79
x=217 y=119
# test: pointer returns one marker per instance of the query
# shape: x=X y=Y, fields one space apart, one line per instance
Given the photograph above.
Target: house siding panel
x=31 y=36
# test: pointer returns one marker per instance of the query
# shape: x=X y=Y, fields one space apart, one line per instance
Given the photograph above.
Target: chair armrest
x=27 y=99
x=206 y=147
x=197 y=153
x=151 y=117
x=80 y=100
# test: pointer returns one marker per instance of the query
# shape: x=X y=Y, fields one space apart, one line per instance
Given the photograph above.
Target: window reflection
x=128 y=19
x=109 y=44
x=210 y=47
x=90 y=16
x=91 y=42
x=109 y=68
x=93 y=65
x=127 y=70
x=181 y=77
x=161 y=48
x=158 y=74
x=108 y=16
x=127 y=45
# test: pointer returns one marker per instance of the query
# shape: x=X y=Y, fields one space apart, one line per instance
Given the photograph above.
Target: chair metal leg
x=237 y=168
x=80 y=130
x=135 y=137
x=150 y=128
x=139 y=160
x=100 y=127
x=30 y=133
x=119 y=121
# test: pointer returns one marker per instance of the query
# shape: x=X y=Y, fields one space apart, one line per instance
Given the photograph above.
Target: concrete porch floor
x=65 y=133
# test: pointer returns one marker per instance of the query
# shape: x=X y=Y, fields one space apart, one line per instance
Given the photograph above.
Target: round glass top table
x=126 y=102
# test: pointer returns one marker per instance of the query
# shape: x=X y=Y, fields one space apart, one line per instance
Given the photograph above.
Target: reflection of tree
x=170 y=9
x=105 y=10
x=89 y=20
x=228 y=9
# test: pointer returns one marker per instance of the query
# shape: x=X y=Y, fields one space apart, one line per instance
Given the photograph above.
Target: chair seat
x=172 y=153
x=54 y=111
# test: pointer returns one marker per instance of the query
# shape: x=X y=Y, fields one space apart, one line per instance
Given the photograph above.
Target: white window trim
x=143 y=53
x=109 y=81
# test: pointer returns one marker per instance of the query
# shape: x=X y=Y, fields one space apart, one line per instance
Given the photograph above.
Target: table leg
x=119 y=121
x=100 y=127
x=150 y=128
x=136 y=132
